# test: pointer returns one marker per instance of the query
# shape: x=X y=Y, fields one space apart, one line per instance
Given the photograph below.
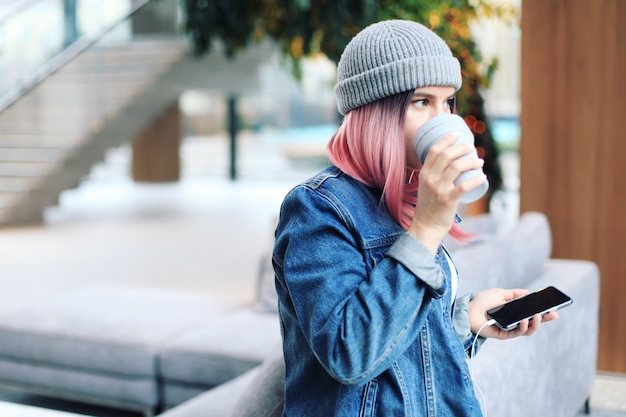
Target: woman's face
x=427 y=102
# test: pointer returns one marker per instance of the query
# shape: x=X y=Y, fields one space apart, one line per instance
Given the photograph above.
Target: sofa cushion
x=507 y=259
x=479 y=226
x=109 y=329
x=219 y=350
x=124 y=391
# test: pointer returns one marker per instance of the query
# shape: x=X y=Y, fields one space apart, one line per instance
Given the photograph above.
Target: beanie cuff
x=397 y=77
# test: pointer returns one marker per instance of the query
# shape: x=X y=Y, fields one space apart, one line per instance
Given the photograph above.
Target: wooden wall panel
x=573 y=145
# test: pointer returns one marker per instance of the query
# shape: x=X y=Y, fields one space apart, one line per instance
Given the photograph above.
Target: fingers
x=443 y=165
x=514 y=293
x=533 y=324
x=468 y=185
x=446 y=153
x=553 y=315
x=529 y=327
x=524 y=328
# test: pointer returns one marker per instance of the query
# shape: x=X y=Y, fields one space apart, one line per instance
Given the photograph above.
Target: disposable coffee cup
x=436 y=129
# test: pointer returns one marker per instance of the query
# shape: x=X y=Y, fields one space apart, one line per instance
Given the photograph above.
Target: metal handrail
x=62 y=58
x=17 y=8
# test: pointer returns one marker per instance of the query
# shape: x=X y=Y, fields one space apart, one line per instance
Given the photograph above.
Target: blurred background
x=278 y=82
x=150 y=142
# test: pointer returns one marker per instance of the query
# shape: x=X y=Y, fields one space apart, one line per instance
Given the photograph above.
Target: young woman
x=371 y=322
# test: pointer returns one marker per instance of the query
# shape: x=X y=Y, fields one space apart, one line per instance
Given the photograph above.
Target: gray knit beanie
x=392 y=57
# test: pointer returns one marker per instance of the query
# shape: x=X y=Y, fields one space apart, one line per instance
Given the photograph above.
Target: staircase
x=54 y=134
x=96 y=92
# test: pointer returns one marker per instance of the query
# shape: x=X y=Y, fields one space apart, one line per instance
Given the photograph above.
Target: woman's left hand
x=487 y=299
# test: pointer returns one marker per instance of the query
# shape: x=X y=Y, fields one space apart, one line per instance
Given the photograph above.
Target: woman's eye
x=422 y=102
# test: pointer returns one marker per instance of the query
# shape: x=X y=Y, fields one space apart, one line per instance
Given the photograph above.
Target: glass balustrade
x=38 y=36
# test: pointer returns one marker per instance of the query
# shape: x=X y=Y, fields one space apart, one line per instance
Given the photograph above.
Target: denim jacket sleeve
x=357 y=317
x=412 y=253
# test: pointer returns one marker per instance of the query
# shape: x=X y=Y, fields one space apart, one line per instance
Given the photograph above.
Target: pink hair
x=370 y=147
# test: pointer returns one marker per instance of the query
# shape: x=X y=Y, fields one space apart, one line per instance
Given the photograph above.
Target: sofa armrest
x=550 y=373
x=217 y=402
x=256 y=393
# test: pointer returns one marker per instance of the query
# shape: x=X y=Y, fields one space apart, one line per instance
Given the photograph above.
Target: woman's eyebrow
x=424 y=95
x=431 y=96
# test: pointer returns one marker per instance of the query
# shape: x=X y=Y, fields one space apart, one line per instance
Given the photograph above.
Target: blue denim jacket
x=365 y=311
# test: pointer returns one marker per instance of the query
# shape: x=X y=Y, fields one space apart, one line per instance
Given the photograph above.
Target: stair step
x=67 y=116
x=25 y=169
x=133 y=49
x=34 y=113
x=49 y=128
x=9 y=199
x=38 y=140
x=17 y=184
x=96 y=80
x=131 y=61
x=31 y=154
x=154 y=46
x=101 y=56
x=4 y=216
x=94 y=92
x=123 y=67
x=79 y=104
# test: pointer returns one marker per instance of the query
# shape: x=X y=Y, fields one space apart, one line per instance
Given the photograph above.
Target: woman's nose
x=437 y=110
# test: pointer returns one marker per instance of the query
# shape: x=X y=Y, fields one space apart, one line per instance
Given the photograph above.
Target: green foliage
x=231 y=21
x=306 y=27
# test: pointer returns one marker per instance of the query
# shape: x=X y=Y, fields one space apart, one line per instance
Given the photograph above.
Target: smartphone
x=508 y=315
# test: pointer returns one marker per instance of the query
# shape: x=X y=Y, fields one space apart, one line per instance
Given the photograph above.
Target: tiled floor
x=204 y=233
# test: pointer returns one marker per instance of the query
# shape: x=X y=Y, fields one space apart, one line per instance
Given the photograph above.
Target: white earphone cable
x=484 y=401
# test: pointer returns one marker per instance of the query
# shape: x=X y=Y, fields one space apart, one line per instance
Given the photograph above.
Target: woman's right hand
x=437 y=196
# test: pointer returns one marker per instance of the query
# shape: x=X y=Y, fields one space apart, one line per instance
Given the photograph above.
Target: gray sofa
x=136 y=348
x=202 y=356
x=548 y=374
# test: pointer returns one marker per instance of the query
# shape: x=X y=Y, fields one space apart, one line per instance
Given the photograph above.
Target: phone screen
x=508 y=315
